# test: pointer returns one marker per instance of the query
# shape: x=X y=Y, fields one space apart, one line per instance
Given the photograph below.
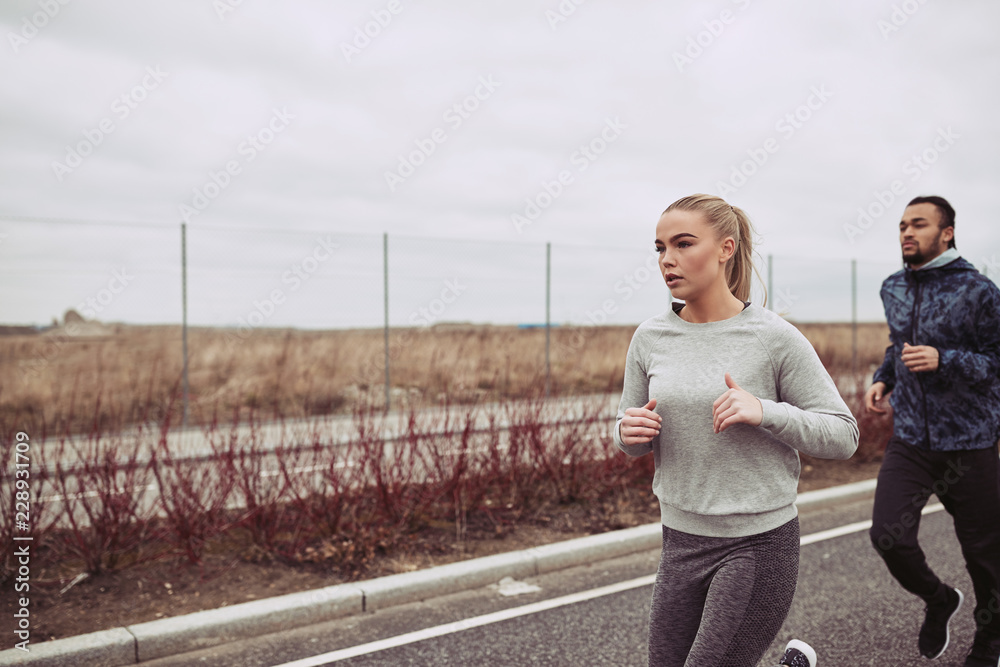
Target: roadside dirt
x=162 y=589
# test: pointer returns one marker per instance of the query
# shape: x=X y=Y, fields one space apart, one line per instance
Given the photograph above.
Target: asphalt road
x=846 y=606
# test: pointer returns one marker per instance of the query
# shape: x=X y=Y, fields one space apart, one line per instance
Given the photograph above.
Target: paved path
x=197 y=449
x=595 y=613
x=198 y=442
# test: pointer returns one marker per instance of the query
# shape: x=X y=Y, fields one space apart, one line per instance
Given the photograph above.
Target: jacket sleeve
x=809 y=415
x=635 y=394
x=983 y=365
x=887 y=371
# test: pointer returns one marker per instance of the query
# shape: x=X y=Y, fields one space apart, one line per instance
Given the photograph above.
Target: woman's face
x=691 y=257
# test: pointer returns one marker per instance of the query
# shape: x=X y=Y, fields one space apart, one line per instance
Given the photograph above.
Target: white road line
x=57 y=498
x=854 y=528
x=534 y=608
x=467 y=624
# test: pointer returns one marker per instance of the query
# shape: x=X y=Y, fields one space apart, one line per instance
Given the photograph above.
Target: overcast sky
x=502 y=125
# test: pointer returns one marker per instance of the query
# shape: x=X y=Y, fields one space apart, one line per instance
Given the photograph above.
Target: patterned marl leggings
x=720 y=601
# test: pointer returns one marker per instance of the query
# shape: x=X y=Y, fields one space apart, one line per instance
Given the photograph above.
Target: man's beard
x=917 y=257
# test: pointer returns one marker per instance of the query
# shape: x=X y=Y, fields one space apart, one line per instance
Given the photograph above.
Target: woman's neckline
x=677 y=306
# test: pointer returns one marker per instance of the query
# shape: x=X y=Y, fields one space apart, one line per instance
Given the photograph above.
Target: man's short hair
x=944 y=208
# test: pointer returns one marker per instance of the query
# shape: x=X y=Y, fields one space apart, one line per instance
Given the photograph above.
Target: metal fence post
x=385 y=282
x=184 y=318
x=854 y=317
x=770 y=283
x=548 y=321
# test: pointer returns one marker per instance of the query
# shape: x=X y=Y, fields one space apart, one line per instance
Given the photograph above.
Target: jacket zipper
x=914 y=329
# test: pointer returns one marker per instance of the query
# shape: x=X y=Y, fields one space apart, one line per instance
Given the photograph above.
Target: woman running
x=724 y=394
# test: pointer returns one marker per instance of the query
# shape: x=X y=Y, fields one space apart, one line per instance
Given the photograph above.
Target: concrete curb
x=173 y=636
x=836 y=494
x=108 y=648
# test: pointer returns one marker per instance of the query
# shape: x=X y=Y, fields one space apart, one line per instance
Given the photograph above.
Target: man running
x=943 y=369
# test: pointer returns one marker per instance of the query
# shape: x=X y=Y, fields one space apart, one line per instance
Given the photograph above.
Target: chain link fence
x=252 y=279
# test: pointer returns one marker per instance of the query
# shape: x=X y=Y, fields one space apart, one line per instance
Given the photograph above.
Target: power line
x=82 y=221
x=171 y=226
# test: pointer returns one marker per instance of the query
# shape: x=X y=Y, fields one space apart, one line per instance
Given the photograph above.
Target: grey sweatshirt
x=742 y=481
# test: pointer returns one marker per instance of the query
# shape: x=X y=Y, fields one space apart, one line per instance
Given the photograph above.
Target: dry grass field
x=80 y=379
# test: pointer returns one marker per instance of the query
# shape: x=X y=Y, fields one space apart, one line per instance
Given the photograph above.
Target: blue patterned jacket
x=955 y=309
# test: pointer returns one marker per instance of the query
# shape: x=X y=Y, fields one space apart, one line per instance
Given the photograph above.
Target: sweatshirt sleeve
x=635 y=393
x=809 y=415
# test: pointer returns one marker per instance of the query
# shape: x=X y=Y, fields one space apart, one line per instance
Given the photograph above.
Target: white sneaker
x=798 y=654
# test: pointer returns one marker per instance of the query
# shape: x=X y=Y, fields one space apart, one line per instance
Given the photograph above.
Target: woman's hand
x=736 y=406
x=640 y=425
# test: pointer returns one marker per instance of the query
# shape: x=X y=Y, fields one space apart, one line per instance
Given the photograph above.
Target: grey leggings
x=720 y=601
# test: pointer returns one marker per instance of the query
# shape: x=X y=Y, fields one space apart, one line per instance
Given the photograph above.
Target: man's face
x=921 y=236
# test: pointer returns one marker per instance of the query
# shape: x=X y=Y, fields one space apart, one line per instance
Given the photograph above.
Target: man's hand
x=736 y=406
x=873 y=397
x=640 y=425
x=920 y=358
